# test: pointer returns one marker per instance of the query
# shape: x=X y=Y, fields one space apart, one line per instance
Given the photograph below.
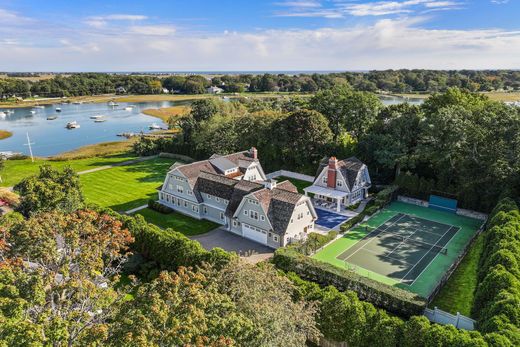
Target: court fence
x=460 y=211
x=441 y=317
x=290 y=174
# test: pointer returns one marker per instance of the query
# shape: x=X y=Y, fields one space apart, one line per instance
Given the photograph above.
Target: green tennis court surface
x=404 y=245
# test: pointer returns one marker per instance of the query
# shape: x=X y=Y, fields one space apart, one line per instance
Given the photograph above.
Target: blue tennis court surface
x=329 y=219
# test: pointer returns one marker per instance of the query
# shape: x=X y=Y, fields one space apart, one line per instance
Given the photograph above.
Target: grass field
x=125 y=187
x=102 y=149
x=166 y=112
x=298 y=183
x=458 y=293
x=178 y=222
x=427 y=280
x=4 y=134
x=16 y=170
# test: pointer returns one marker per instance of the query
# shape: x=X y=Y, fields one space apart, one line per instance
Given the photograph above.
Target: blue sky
x=59 y=35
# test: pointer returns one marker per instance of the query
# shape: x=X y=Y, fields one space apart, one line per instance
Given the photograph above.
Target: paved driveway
x=249 y=250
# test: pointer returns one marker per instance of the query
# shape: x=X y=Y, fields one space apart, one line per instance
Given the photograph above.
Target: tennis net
x=422 y=244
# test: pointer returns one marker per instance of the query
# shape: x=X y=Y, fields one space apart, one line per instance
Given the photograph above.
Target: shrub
x=393 y=299
x=313 y=242
x=157 y=206
x=386 y=196
x=181 y=157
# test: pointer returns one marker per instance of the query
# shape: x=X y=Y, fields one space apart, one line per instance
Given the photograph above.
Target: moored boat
x=52 y=117
x=72 y=125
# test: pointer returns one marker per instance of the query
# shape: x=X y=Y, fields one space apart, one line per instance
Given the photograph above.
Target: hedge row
x=395 y=300
x=343 y=317
x=313 y=242
x=383 y=198
x=157 y=206
x=497 y=298
x=169 y=249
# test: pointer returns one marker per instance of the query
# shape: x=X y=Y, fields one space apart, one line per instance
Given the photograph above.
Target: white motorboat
x=3 y=114
x=72 y=125
x=98 y=116
x=111 y=103
x=154 y=126
x=39 y=106
x=32 y=111
x=58 y=109
x=100 y=120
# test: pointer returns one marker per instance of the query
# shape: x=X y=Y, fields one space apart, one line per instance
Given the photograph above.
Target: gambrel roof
x=349 y=168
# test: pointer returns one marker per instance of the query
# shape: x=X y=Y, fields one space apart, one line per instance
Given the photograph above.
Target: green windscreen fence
x=440 y=203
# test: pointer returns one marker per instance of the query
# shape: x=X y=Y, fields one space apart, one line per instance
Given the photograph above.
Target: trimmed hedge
x=383 y=198
x=169 y=249
x=343 y=317
x=157 y=206
x=313 y=242
x=497 y=297
x=395 y=300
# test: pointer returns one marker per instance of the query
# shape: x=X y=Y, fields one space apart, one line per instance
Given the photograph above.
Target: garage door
x=254 y=234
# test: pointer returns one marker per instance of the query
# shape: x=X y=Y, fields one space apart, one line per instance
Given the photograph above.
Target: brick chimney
x=253 y=152
x=331 y=174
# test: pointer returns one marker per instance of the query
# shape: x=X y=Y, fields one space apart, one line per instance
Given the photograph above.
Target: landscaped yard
x=178 y=222
x=125 y=187
x=16 y=170
x=457 y=294
x=298 y=183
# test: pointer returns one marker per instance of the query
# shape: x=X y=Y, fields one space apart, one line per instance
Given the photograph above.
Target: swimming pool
x=329 y=219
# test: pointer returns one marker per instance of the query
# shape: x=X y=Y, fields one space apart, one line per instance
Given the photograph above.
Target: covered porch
x=330 y=198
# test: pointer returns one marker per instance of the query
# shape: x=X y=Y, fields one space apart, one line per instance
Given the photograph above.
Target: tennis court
x=403 y=245
x=401 y=248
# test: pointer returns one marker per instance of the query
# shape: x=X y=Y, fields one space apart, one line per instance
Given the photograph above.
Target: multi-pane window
x=253 y=214
x=180 y=189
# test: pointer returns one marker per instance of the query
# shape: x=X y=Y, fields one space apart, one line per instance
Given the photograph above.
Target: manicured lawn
x=125 y=187
x=178 y=222
x=16 y=170
x=457 y=294
x=298 y=183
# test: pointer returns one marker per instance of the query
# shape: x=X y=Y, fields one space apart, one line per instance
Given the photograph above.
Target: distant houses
x=214 y=90
x=120 y=90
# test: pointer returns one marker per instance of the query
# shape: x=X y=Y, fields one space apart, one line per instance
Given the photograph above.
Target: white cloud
x=382 y=8
x=299 y=4
x=153 y=30
x=499 y=2
x=102 y=21
x=388 y=43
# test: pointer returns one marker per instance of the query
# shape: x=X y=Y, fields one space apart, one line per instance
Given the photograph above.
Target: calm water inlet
x=51 y=137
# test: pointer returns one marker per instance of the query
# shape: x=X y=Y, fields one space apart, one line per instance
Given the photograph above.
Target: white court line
x=406 y=274
x=404 y=240
x=376 y=235
x=434 y=257
x=378 y=254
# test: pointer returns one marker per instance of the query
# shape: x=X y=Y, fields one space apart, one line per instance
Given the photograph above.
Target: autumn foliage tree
x=49 y=190
x=57 y=273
